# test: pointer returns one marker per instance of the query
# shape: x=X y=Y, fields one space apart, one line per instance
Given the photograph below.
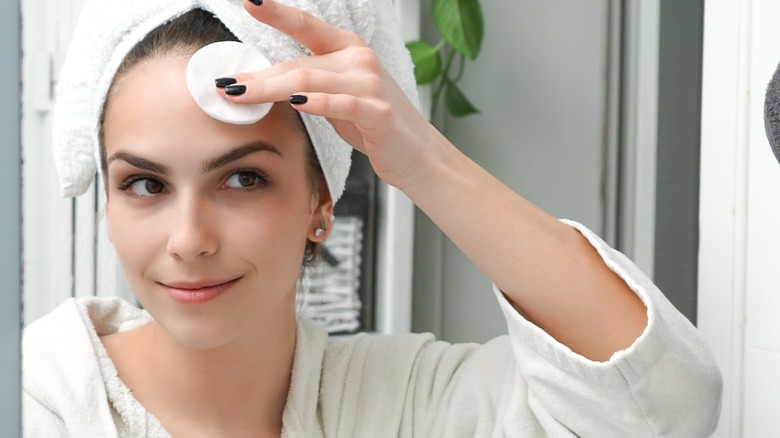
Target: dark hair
x=183 y=36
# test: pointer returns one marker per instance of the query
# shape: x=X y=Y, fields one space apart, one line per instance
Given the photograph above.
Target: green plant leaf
x=457 y=103
x=460 y=24
x=426 y=59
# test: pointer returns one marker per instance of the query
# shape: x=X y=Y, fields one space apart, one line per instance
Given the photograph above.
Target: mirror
x=63 y=255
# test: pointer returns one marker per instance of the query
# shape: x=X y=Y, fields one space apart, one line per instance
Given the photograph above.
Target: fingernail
x=224 y=82
x=297 y=99
x=235 y=90
x=257 y=2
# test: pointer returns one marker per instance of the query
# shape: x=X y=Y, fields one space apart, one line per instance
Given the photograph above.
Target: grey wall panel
x=679 y=127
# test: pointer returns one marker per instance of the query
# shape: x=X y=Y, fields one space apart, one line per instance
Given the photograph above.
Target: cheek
x=275 y=235
x=134 y=237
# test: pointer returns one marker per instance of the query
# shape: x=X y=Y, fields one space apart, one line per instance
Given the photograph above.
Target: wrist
x=428 y=164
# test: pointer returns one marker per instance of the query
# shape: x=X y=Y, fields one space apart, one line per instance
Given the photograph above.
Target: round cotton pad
x=218 y=60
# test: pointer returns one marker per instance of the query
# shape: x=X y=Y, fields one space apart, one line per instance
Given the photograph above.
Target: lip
x=201 y=291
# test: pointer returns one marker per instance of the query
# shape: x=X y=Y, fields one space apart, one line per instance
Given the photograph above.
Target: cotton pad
x=218 y=60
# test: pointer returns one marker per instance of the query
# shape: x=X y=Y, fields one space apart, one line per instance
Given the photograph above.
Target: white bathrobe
x=525 y=384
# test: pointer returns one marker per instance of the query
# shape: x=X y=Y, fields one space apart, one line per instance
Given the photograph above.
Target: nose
x=191 y=236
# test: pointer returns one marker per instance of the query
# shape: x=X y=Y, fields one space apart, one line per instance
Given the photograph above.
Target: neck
x=239 y=387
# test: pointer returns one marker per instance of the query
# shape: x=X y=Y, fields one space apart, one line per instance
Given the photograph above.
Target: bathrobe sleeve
x=665 y=384
x=527 y=384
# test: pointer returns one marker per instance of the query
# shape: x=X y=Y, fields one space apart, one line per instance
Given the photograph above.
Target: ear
x=321 y=215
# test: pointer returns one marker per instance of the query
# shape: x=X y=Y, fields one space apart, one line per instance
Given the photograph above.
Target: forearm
x=546 y=268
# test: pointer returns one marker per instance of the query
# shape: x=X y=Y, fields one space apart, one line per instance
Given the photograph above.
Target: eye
x=141 y=187
x=246 y=179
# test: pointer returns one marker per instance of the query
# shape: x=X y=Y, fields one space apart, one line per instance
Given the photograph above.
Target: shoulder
x=61 y=365
x=368 y=382
x=59 y=335
x=396 y=348
x=403 y=363
x=396 y=382
x=405 y=351
x=60 y=343
x=72 y=322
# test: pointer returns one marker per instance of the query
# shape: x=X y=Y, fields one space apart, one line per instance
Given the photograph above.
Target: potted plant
x=461 y=27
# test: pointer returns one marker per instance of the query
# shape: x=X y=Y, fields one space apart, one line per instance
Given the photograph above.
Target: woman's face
x=210 y=220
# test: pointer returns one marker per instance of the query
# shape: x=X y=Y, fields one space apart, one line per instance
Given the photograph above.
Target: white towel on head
x=108 y=29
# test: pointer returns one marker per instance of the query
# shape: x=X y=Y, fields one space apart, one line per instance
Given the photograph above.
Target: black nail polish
x=257 y=2
x=224 y=82
x=297 y=99
x=235 y=90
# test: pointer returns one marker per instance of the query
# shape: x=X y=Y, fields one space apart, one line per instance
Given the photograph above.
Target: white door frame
x=723 y=193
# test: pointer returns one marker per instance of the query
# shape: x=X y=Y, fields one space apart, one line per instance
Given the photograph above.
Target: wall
x=540 y=83
x=10 y=221
x=762 y=303
x=739 y=287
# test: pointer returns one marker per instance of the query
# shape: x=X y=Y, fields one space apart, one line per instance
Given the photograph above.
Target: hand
x=345 y=82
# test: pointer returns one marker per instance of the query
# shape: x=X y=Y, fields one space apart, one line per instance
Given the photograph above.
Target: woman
x=211 y=221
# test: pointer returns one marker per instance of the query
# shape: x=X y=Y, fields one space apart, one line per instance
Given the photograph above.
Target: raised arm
x=544 y=267
x=550 y=273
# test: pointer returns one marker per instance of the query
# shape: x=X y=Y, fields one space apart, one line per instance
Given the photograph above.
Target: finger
x=319 y=36
x=366 y=113
x=352 y=59
x=279 y=88
x=331 y=61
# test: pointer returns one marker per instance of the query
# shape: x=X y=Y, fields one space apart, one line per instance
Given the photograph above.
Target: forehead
x=150 y=108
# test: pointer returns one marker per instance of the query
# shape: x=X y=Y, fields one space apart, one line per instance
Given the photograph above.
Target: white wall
x=739 y=289
x=762 y=282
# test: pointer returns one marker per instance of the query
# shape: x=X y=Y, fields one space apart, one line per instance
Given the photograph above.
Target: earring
x=332 y=218
x=321 y=229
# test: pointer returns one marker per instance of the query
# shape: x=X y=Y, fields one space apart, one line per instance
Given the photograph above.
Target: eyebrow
x=238 y=153
x=215 y=163
x=141 y=163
